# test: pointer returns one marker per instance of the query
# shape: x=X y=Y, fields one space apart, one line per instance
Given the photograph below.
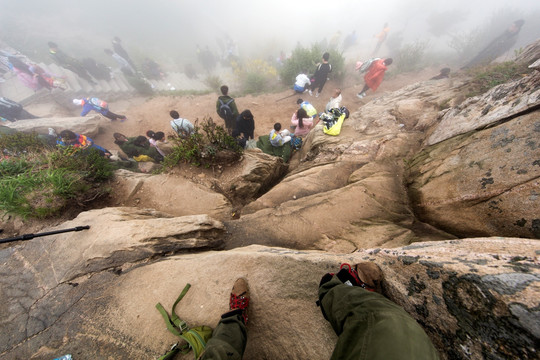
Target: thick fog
x=169 y=31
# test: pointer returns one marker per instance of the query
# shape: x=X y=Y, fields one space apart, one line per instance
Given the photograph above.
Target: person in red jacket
x=374 y=76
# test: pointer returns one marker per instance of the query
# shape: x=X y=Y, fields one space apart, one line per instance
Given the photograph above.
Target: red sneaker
x=240 y=297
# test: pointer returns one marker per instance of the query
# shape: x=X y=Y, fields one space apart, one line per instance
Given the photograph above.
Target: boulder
x=501 y=103
x=483 y=183
x=474 y=298
x=174 y=195
x=371 y=209
x=88 y=125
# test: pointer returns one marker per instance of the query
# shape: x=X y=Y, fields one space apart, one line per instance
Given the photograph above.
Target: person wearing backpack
x=321 y=74
x=374 y=75
x=99 y=106
x=226 y=109
x=183 y=127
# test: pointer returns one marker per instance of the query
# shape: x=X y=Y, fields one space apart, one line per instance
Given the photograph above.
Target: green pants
x=370 y=326
x=228 y=340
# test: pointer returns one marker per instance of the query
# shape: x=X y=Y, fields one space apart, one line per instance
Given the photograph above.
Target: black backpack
x=225 y=110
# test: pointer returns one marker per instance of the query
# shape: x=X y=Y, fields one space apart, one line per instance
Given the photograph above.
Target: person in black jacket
x=245 y=125
x=12 y=111
x=321 y=74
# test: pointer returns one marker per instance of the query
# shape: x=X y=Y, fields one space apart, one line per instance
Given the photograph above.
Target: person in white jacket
x=302 y=82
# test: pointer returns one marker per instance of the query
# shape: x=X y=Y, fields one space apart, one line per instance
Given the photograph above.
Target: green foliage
x=20 y=142
x=39 y=182
x=487 y=77
x=205 y=146
x=305 y=60
x=214 y=82
x=255 y=76
x=410 y=56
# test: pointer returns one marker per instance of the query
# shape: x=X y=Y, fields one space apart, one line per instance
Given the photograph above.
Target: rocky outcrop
x=169 y=194
x=82 y=293
x=482 y=183
x=503 y=102
x=88 y=125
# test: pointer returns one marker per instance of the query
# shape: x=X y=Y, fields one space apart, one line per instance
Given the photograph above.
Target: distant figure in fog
x=125 y=66
x=69 y=63
x=119 y=49
x=498 y=46
x=381 y=37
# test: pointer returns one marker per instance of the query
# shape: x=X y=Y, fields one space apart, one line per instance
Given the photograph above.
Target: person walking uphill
x=99 y=106
x=226 y=109
x=374 y=76
x=321 y=74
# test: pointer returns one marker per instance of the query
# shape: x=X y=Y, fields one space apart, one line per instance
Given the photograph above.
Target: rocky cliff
x=421 y=181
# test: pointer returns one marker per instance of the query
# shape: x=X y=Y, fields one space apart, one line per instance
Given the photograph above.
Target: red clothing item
x=375 y=74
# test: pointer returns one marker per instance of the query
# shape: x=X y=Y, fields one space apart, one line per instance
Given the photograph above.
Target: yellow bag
x=143 y=158
x=336 y=128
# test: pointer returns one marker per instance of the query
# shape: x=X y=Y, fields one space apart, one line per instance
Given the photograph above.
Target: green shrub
x=213 y=82
x=303 y=59
x=39 y=182
x=208 y=145
x=410 y=57
x=487 y=77
x=255 y=76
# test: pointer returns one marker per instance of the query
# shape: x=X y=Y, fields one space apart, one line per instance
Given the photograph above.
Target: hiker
x=226 y=108
x=302 y=82
x=125 y=66
x=301 y=122
x=368 y=325
x=321 y=74
x=119 y=49
x=157 y=140
x=498 y=46
x=69 y=138
x=137 y=148
x=245 y=125
x=182 y=127
x=69 y=63
x=31 y=75
x=374 y=76
x=335 y=100
x=277 y=137
x=13 y=111
x=444 y=74
x=310 y=109
x=381 y=37
x=99 y=106
x=97 y=70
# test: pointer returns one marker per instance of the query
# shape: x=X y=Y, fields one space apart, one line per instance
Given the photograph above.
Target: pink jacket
x=301 y=131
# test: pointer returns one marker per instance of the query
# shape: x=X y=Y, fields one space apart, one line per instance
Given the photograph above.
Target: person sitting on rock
x=301 y=122
x=69 y=138
x=310 y=109
x=100 y=106
x=368 y=325
x=277 y=137
x=137 y=148
x=157 y=140
x=335 y=100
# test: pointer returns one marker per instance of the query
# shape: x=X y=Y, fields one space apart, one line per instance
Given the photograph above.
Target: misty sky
x=172 y=28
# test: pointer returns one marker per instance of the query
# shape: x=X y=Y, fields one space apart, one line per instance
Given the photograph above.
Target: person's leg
x=109 y=114
x=229 y=339
x=362 y=93
x=370 y=326
x=321 y=85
